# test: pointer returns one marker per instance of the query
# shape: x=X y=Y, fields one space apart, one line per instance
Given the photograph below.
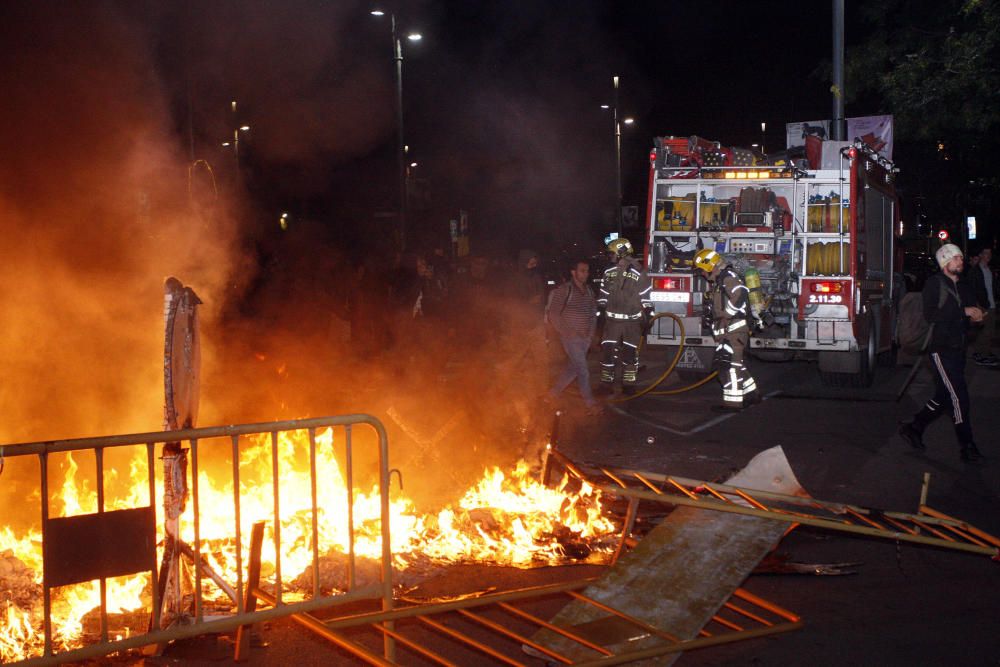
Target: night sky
x=502 y=100
x=113 y=175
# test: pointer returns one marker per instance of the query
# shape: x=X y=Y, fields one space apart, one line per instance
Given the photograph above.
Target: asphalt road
x=906 y=604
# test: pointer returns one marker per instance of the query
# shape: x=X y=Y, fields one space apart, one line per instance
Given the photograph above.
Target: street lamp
x=397 y=56
x=235 y=143
x=763 y=128
x=618 y=150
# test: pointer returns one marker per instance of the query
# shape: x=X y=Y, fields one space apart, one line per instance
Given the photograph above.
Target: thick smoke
x=100 y=202
x=95 y=213
x=311 y=80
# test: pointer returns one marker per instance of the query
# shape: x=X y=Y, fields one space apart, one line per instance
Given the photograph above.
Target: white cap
x=946 y=252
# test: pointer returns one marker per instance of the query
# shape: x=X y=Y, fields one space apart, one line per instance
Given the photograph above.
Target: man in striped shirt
x=572 y=312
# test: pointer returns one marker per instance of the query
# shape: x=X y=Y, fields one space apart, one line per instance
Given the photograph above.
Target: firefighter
x=624 y=303
x=728 y=308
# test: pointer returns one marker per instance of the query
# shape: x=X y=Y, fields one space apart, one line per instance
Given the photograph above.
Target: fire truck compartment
x=822 y=242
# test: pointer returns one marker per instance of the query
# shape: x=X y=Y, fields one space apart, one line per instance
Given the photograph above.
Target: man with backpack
x=572 y=312
x=948 y=312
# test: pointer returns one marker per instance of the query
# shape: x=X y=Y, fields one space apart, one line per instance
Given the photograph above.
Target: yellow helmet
x=706 y=259
x=620 y=247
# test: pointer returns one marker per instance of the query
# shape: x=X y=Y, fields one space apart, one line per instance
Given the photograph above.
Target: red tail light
x=652 y=156
x=670 y=284
x=826 y=287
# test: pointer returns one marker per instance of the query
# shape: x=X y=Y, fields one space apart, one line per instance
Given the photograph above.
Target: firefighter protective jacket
x=624 y=293
x=730 y=304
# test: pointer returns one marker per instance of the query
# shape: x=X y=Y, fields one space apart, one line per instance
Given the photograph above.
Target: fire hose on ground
x=670 y=367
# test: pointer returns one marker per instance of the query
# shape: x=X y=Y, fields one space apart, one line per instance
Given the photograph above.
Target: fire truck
x=817 y=231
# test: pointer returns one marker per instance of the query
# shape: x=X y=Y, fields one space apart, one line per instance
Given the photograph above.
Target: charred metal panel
x=95 y=546
x=680 y=574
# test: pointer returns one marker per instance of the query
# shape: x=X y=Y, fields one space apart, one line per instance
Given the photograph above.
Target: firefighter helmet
x=620 y=247
x=706 y=259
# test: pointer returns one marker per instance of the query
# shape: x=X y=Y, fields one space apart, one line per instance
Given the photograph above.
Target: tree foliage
x=935 y=66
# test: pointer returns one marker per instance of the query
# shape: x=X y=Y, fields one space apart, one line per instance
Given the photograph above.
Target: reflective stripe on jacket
x=625 y=290
x=730 y=303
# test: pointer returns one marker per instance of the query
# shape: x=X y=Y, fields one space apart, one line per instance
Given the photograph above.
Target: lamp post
x=618 y=151
x=763 y=128
x=397 y=56
x=618 y=159
x=235 y=142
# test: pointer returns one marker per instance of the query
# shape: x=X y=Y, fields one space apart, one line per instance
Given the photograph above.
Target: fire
x=523 y=518
x=507 y=519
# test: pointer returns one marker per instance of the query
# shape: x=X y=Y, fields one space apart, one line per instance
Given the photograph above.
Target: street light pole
x=618 y=158
x=235 y=142
x=397 y=48
x=397 y=56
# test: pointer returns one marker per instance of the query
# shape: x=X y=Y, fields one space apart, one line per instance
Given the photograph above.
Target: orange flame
x=508 y=519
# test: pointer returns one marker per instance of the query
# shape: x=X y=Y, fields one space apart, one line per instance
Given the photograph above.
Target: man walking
x=984 y=283
x=625 y=303
x=571 y=311
x=948 y=315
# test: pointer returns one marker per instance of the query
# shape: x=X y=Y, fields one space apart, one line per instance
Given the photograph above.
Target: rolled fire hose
x=648 y=389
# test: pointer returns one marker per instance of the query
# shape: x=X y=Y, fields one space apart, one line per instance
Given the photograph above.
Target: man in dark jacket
x=528 y=285
x=985 y=285
x=948 y=314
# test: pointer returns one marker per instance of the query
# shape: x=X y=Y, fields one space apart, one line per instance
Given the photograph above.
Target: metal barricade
x=122 y=542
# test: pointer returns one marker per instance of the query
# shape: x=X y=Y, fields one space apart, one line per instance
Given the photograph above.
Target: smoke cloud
x=95 y=213
x=100 y=201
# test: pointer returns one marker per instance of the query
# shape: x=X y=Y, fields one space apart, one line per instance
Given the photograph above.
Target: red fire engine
x=819 y=233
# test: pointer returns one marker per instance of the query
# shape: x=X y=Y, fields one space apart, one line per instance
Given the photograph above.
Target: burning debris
x=529 y=537
x=17 y=581
x=504 y=519
x=20 y=601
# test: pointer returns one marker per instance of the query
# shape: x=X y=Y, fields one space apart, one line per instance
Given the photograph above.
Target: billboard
x=876 y=131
